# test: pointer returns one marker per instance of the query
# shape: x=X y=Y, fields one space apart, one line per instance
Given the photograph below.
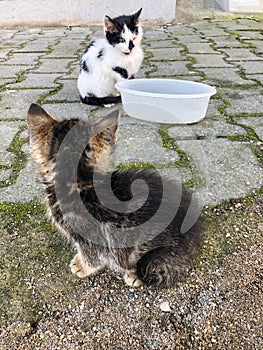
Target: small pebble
x=165 y=307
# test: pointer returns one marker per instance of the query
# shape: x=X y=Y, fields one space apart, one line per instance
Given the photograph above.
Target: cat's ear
x=103 y=139
x=107 y=127
x=109 y=24
x=136 y=17
x=38 y=119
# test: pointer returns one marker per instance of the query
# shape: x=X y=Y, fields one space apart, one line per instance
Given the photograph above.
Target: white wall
x=79 y=12
x=241 y=5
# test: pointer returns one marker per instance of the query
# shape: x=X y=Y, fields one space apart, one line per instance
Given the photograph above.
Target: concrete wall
x=253 y=6
x=79 y=12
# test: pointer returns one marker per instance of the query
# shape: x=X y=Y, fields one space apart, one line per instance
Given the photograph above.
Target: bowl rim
x=122 y=88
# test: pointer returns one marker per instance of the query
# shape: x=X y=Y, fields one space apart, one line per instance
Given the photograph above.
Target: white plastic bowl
x=165 y=100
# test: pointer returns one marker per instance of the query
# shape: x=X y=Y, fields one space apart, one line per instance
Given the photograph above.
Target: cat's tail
x=164 y=266
x=100 y=101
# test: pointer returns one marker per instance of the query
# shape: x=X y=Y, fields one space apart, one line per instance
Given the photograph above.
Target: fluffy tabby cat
x=99 y=233
x=111 y=59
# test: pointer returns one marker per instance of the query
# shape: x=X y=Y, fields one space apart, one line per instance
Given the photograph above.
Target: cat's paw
x=109 y=105
x=131 y=279
x=80 y=268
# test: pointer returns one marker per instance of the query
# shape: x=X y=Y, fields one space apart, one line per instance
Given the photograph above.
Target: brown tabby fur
x=98 y=232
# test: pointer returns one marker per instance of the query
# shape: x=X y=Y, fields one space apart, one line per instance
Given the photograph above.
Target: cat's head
x=124 y=32
x=92 y=144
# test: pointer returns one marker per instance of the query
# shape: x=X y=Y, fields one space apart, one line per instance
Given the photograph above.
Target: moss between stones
x=170 y=143
x=20 y=158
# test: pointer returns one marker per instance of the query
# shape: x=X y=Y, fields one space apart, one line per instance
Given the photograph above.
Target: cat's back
x=95 y=49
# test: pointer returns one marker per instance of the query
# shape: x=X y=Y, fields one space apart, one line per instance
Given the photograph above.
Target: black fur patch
x=89 y=46
x=122 y=71
x=84 y=66
x=101 y=53
x=100 y=101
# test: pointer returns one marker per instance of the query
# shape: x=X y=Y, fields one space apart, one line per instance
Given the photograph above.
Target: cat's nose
x=131 y=45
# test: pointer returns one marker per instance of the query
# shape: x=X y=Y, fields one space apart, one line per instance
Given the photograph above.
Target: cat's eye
x=122 y=40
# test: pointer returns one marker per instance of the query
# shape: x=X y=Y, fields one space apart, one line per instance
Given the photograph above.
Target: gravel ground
x=219 y=306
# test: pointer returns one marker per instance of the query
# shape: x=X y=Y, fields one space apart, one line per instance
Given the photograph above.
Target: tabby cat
x=72 y=158
x=109 y=60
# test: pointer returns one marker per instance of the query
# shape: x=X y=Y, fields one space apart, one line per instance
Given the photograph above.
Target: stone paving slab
x=228 y=76
x=57 y=65
x=170 y=68
x=242 y=101
x=255 y=123
x=216 y=155
x=209 y=60
x=23 y=59
x=252 y=67
x=37 y=81
x=207 y=128
x=238 y=54
x=7 y=134
x=229 y=42
x=167 y=54
x=8 y=71
x=15 y=103
x=221 y=174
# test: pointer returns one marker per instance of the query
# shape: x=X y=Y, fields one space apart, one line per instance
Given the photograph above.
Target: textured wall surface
x=79 y=12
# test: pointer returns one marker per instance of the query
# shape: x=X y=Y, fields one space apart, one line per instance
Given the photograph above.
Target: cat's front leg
x=131 y=279
x=80 y=267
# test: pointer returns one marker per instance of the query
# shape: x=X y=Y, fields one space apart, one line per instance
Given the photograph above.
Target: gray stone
x=8 y=71
x=8 y=131
x=200 y=48
x=4 y=174
x=207 y=128
x=26 y=189
x=162 y=44
x=53 y=65
x=256 y=77
x=15 y=103
x=68 y=92
x=141 y=144
x=256 y=123
x=224 y=76
x=65 y=49
x=252 y=67
x=34 y=46
x=73 y=72
x=212 y=110
x=23 y=59
x=170 y=69
x=167 y=54
x=237 y=54
x=242 y=101
x=4 y=54
x=61 y=111
x=212 y=31
x=195 y=38
x=227 y=169
x=258 y=46
x=155 y=35
x=36 y=81
x=228 y=42
x=208 y=60
x=246 y=24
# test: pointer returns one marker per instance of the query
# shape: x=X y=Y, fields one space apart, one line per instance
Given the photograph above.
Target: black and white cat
x=109 y=60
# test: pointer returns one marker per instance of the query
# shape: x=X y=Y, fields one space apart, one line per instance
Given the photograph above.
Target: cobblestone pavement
x=42 y=305
x=221 y=157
